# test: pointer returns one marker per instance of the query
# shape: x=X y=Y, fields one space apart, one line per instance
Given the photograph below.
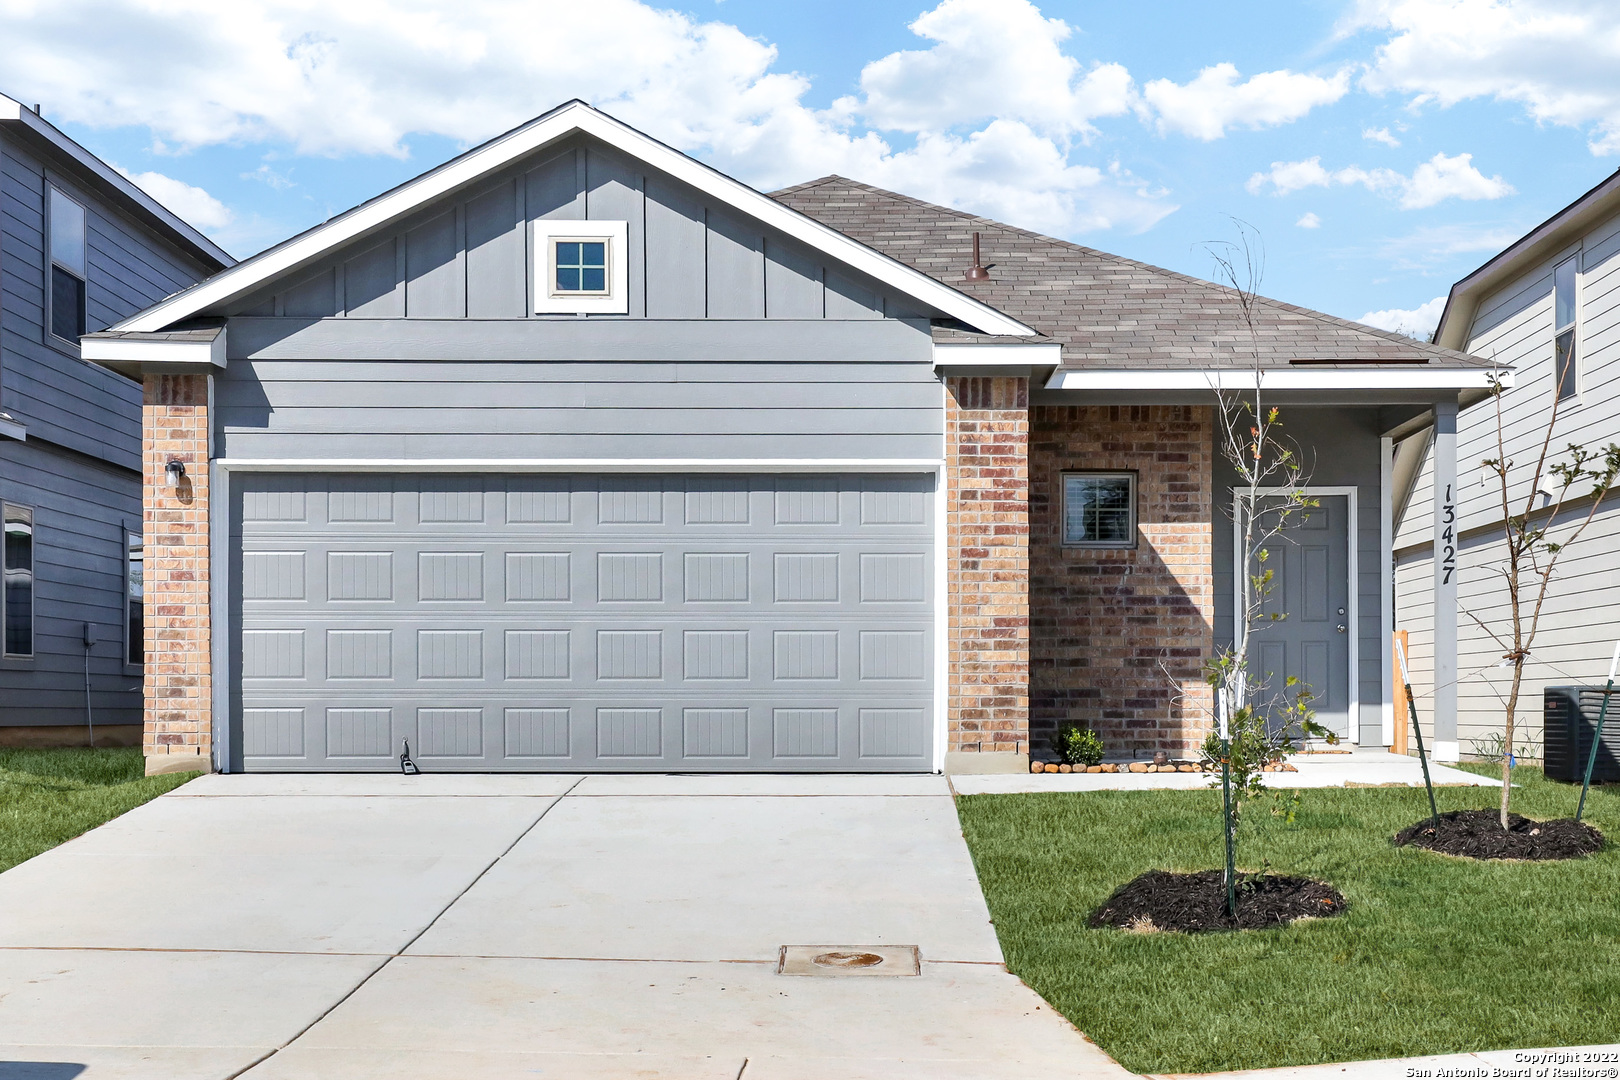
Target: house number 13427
x=1448 y=536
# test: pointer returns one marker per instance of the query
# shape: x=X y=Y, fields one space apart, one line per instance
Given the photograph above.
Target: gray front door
x=695 y=623
x=1310 y=562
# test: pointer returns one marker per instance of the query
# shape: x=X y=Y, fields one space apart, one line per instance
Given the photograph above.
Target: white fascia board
x=124 y=353
x=575 y=116
x=1292 y=379
x=994 y=355
x=20 y=113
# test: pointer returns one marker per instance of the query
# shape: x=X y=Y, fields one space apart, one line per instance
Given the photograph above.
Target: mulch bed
x=1478 y=834
x=1196 y=903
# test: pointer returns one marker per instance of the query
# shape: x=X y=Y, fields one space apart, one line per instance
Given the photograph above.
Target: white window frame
x=81 y=272
x=615 y=234
x=1105 y=474
x=6 y=510
x=1572 y=328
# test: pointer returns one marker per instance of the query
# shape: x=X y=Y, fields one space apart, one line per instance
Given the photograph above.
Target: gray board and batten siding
x=79 y=468
x=1339 y=447
x=468 y=254
x=550 y=622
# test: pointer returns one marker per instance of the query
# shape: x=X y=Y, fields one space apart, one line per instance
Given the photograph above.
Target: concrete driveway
x=515 y=926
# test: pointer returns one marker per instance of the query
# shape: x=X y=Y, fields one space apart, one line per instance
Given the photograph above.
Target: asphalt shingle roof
x=1106 y=311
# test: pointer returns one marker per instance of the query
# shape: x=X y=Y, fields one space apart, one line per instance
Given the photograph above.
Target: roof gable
x=1106 y=311
x=302 y=253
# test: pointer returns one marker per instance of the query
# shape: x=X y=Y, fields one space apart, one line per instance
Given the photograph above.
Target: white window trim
x=1574 y=329
x=617 y=299
x=1095 y=545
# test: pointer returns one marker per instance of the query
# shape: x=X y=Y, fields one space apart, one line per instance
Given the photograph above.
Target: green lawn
x=1435 y=955
x=49 y=796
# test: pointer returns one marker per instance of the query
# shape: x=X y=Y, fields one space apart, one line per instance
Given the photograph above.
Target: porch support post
x=1445 y=580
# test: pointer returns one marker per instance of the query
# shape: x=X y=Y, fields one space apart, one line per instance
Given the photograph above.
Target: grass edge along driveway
x=1435 y=955
x=48 y=797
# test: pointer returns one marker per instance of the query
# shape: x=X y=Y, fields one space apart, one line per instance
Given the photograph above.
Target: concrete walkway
x=496 y=927
x=1358 y=768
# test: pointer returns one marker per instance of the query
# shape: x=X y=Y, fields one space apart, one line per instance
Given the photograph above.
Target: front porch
x=1116 y=635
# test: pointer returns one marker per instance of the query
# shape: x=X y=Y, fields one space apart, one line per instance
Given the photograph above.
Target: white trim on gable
x=576 y=116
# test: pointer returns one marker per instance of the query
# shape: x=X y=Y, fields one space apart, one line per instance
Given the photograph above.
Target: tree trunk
x=1507 y=745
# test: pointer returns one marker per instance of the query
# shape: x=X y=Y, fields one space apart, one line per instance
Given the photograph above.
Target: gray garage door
x=697 y=623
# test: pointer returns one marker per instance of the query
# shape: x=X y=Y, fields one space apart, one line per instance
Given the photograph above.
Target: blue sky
x=1381 y=148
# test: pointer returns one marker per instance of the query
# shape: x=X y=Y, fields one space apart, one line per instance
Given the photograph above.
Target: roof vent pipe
x=978 y=271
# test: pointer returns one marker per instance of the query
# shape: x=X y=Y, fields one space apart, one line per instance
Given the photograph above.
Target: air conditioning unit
x=1570 y=714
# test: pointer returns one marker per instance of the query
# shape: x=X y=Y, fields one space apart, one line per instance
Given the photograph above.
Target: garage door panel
x=547 y=622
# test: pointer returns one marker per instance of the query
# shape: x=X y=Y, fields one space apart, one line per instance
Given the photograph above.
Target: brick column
x=179 y=661
x=987 y=572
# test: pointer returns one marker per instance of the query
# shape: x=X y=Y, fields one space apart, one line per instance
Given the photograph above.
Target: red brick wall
x=1107 y=624
x=987 y=541
x=179 y=671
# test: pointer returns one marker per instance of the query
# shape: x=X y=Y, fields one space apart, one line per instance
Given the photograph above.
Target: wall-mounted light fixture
x=176 y=469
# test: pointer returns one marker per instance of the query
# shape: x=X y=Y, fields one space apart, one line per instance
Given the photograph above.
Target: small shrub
x=1076 y=745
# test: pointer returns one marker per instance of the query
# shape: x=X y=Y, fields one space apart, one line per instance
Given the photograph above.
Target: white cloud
x=1556 y=58
x=1418 y=322
x=1214 y=101
x=1309 y=221
x=338 y=79
x=1442 y=178
x=1380 y=135
x=1432 y=182
x=192 y=204
x=991 y=59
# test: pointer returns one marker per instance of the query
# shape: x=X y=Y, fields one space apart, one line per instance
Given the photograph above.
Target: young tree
x=1255 y=720
x=1534 y=543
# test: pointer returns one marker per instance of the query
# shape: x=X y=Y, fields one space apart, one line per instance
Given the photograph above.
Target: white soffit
x=564 y=121
x=1370 y=378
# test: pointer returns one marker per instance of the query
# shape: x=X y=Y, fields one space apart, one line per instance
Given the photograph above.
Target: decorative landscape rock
x=1196 y=903
x=1478 y=834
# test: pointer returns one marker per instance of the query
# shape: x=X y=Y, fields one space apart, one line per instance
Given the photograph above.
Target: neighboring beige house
x=1549 y=307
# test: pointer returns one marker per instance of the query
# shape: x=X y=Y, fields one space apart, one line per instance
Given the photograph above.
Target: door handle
x=1340 y=628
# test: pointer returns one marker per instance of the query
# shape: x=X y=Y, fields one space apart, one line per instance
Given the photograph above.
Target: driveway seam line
x=390 y=958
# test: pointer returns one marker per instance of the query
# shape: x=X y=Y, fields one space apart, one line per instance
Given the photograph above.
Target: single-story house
x=576 y=454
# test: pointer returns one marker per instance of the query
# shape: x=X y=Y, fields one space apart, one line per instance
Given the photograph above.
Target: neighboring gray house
x=574 y=453
x=80 y=248
x=1549 y=307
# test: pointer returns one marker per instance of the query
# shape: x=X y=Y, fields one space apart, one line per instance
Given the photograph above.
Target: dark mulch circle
x=1196 y=903
x=1478 y=834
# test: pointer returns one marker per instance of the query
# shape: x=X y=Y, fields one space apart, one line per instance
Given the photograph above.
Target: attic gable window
x=1565 y=351
x=581 y=267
